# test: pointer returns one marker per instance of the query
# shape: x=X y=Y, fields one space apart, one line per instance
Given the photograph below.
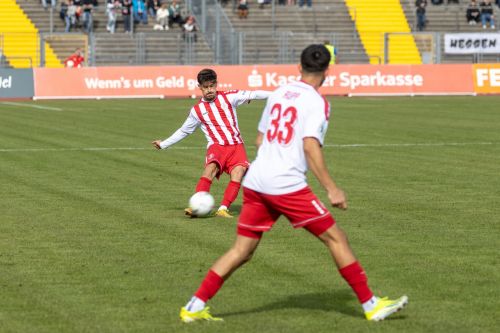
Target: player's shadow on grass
x=340 y=301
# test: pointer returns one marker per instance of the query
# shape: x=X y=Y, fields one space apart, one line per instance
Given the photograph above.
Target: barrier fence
x=180 y=81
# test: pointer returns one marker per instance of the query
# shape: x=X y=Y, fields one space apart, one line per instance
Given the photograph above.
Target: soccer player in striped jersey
x=291 y=133
x=215 y=114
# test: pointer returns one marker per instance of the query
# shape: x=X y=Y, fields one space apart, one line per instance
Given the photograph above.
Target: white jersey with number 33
x=292 y=113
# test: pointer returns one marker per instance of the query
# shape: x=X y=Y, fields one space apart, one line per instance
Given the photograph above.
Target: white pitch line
x=437 y=144
x=356 y=145
x=33 y=106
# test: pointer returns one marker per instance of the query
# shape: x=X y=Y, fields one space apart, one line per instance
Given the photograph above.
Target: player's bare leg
x=375 y=308
x=205 y=182
x=231 y=191
x=336 y=241
x=240 y=253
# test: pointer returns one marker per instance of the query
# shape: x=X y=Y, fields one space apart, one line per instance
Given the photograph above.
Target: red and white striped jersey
x=217 y=119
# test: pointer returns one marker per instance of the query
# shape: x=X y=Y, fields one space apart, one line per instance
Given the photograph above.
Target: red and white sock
x=208 y=288
x=356 y=278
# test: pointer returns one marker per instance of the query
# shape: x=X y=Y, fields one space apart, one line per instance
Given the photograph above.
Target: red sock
x=203 y=185
x=356 y=277
x=210 y=286
x=230 y=193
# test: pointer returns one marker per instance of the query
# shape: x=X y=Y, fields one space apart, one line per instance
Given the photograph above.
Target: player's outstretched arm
x=189 y=126
x=260 y=94
x=316 y=163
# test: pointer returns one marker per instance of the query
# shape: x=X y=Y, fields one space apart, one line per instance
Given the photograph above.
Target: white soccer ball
x=201 y=203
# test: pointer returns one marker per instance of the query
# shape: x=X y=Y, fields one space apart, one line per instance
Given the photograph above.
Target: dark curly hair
x=206 y=75
x=315 y=58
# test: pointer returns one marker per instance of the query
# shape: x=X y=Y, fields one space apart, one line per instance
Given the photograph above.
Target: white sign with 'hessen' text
x=472 y=43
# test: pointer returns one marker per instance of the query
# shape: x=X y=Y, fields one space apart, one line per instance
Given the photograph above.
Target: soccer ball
x=201 y=203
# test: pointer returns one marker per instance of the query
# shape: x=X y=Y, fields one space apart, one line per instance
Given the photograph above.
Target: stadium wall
x=16 y=83
x=180 y=81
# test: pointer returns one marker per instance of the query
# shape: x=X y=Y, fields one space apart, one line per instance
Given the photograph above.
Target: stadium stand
x=21 y=39
x=265 y=41
x=446 y=19
x=144 y=47
x=355 y=27
x=374 y=18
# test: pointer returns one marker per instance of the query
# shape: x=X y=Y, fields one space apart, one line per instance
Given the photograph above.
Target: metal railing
x=217 y=28
x=250 y=47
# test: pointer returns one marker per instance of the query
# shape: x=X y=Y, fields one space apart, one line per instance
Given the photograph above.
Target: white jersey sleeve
x=264 y=119
x=238 y=97
x=317 y=125
x=190 y=125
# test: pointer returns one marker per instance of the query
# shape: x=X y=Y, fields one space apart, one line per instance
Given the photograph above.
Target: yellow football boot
x=223 y=212
x=189 y=317
x=385 y=307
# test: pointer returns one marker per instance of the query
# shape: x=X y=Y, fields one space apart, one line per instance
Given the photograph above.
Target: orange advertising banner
x=486 y=78
x=180 y=81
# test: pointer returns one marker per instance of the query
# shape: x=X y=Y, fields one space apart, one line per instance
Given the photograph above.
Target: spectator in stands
x=437 y=2
x=126 y=14
x=78 y=10
x=473 y=13
x=88 y=22
x=243 y=9
x=113 y=7
x=420 y=12
x=189 y=29
x=487 y=14
x=152 y=7
x=498 y=3
x=333 y=52
x=174 y=14
x=68 y=14
x=52 y=3
x=454 y=1
x=63 y=12
x=75 y=60
x=139 y=10
x=162 y=18
x=308 y=2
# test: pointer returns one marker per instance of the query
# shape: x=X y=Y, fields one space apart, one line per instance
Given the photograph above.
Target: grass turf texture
x=96 y=240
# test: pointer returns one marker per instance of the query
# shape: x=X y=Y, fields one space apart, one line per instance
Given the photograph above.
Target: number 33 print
x=282 y=122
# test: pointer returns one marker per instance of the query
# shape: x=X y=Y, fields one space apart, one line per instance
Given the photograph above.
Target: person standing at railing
x=126 y=11
x=487 y=14
x=88 y=22
x=420 y=12
x=333 y=52
x=113 y=7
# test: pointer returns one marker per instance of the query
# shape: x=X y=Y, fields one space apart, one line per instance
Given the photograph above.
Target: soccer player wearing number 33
x=291 y=133
x=216 y=114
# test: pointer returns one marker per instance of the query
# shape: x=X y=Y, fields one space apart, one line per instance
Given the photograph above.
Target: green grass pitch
x=93 y=239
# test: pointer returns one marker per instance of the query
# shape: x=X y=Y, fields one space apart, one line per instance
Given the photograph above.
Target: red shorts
x=227 y=157
x=302 y=208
